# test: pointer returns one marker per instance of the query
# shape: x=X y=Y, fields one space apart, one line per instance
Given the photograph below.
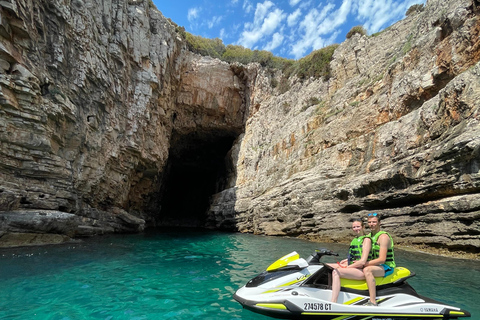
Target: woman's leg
x=335 y=285
x=351 y=273
x=346 y=273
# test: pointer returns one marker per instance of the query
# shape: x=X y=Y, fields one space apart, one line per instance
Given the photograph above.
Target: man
x=383 y=260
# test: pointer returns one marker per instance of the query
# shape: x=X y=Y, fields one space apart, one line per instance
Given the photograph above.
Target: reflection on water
x=180 y=275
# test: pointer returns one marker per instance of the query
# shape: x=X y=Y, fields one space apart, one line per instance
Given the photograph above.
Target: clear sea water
x=180 y=274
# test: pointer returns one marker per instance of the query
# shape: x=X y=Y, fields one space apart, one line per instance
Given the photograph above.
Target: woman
x=358 y=254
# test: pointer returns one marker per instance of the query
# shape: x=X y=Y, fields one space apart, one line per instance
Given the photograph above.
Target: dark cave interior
x=197 y=168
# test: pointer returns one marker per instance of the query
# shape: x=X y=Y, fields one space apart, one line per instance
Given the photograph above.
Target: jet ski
x=297 y=288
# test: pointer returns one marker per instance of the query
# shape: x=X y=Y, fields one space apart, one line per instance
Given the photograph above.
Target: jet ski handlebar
x=315 y=257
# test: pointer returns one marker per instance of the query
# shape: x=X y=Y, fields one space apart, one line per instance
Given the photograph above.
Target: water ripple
x=188 y=275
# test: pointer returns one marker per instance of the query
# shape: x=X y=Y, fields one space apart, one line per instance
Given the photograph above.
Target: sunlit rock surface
x=109 y=124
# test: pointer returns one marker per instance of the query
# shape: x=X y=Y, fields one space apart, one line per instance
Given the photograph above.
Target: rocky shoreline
x=443 y=252
x=21 y=240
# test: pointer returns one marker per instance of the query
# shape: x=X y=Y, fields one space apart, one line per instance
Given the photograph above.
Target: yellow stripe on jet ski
x=404 y=315
x=354 y=300
x=270 y=291
x=272 y=305
x=293 y=282
x=457 y=313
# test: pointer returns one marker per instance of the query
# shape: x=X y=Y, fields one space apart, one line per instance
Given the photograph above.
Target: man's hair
x=374 y=214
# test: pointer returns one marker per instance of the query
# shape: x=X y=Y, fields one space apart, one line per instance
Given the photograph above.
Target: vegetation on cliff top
x=316 y=64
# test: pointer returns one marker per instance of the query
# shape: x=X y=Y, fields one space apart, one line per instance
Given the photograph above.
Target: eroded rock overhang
x=209 y=115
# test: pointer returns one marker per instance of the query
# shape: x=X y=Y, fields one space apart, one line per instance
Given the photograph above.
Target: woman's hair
x=352 y=220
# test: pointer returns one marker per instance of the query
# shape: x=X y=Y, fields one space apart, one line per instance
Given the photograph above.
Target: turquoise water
x=180 y=275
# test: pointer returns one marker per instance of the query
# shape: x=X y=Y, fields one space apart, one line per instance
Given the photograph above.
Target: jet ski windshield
x=268 y=276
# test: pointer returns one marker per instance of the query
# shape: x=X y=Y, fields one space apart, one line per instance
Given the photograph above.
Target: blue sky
x=288 y=28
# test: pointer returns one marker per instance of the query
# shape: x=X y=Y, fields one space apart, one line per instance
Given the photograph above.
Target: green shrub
x=316 y=64
x=357 y=29
x=273 y=83
x=284 y=85
x=408 y=44
x=414 y=9
x=206 y=47
x=312 y=101
x=236 y=53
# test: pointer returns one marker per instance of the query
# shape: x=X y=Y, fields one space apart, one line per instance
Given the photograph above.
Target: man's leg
x=370 y=273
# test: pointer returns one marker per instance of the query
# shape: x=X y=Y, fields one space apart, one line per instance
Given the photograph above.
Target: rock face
x=93 y=99
x=399 y=136
x=108 y=124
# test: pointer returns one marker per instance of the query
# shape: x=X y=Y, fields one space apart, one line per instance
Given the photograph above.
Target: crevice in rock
x=445 y=25
x=410 y=200
x=455 y=248
x=396 y=182
x=196 y=169
x=414 y=102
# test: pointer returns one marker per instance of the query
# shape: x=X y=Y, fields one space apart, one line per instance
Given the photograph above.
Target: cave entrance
x=197 y=168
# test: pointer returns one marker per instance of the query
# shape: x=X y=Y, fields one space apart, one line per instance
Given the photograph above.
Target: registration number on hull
x=315 y=306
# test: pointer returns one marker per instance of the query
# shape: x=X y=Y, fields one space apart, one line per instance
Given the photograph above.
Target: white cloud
x=309 y=30
x=247 y=6
x=193 y=13
x=320 y=28
x=277 y=40
x=306 y=5
x=293 y=17
x=262 y=10
x=293 y=3
x=380 y=13
x=266 y=20
x=214 y=21
x=335 y=20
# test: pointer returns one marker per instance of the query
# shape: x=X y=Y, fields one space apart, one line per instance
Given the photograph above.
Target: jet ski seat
x=399 y=274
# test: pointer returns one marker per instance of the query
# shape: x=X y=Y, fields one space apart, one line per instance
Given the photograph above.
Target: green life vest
x=355 y=250
x=390 y=261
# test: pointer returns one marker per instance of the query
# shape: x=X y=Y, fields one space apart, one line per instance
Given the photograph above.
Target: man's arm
x=384 y=242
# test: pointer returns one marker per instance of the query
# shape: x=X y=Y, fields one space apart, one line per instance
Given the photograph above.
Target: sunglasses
x=372 y=214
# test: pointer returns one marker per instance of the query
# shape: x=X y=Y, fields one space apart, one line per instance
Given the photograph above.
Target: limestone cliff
x=394 y=130
x=109 y=124
x=95 y=96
